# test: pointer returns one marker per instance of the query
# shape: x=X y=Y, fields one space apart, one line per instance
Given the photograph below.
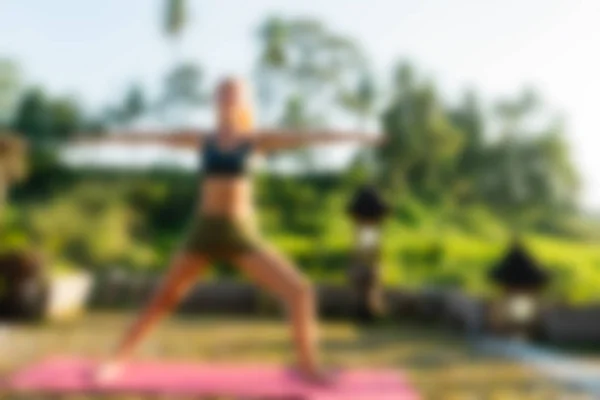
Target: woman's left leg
x=276 y=274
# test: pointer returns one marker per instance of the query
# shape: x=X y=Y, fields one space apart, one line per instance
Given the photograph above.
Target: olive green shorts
x=221 y=237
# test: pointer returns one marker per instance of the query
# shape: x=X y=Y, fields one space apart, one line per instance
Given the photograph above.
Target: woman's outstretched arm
x=273 y=140
x=176 y=139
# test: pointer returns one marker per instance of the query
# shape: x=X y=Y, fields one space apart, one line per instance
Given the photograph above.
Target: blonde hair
x=243 y=111
x=245 y=118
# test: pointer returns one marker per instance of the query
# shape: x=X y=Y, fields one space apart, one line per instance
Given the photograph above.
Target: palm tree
x=10 y=86
x=183 y=90
x=175 y=19
x=174 y=22
x=361 y=100
x=272 y=62
x=512 y=114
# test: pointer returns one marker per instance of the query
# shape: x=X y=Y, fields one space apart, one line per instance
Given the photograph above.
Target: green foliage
x=135 y=220
x=273 y=34
x=89 y=226
x=13 y=236
x=303 y=60
x=182 y=92
x=361 y=101
x=183 y=85
x=134 y=104
x=44 y=120
x=457 y=187
x=175 y=17
x=33 y=116
x=10 y=87
x=66 y=119
x=444 y=155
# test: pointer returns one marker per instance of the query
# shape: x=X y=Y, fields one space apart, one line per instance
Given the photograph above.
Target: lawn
x=440 y=365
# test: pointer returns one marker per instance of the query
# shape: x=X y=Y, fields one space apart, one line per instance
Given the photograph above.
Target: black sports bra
x=230 y=163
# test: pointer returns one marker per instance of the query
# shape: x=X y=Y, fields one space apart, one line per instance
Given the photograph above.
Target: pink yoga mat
x=72 y=375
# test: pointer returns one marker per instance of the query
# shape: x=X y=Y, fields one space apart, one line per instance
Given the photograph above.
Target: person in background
x=13 y=163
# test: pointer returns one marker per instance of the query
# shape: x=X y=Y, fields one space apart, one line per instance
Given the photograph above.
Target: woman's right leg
x=181 y=276
x=274 y=272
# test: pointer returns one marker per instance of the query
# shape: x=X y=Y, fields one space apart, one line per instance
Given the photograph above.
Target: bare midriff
x=229 y=197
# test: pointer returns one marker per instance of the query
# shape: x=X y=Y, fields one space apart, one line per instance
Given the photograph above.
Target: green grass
x=437 y=256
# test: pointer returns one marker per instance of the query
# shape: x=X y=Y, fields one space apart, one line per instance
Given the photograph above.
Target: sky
x=95 y=49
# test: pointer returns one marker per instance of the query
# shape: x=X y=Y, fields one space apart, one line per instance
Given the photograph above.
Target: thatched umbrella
x=519 y=271
x=367 y=205
x=522 y=281
x=368 y=209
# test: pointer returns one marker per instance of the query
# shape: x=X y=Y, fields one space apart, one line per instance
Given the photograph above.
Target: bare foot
x=317 y=376
x=108 y=371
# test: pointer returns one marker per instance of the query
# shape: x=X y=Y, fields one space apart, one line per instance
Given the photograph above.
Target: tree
x=65 y=119
x=442 y=143
x=302 y=58
x=175 y=18
x=273 y=34
x=565 y=179
x=361 y=100
x=469 y=119
x=272 y=61
x=134 y=104
x=43 y=120
x=61 y=228
x=182 y=90
x=32 y=117
x=423 y=146
x=528 y=174
x=514 y=151
x=301 y=70
x=112 y=115
x=10 y=86
x=402 y=149
x=294 y=115
x=183 y=85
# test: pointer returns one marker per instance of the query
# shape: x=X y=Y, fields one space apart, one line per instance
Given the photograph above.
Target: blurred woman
x=223 y=227
x=13 y=162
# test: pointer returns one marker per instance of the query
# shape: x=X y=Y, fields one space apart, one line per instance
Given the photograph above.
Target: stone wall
x=450 y=308
x=232 y=297
x=572 y=324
